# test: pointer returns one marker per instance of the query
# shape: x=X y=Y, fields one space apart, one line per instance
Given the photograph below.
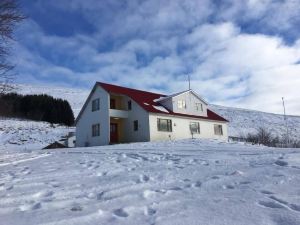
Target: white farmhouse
x=114 y=114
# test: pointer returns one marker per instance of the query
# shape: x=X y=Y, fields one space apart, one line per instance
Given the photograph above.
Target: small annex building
x=115 y=114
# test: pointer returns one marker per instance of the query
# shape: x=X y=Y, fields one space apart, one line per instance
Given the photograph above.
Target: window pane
x=135 y=125
x=181 y=104
x=194 y=127
x=218 y=129
x=164 y=125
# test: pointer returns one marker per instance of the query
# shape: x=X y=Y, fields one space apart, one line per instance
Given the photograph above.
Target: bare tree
x=10 y=16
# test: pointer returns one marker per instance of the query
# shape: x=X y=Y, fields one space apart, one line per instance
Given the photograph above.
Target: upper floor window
x=96 y=130
x=181 y=104
x=112 y=103
x=95 y=104
x=164 y=125
x=129 y=105
x=218 y=129
x=199 y=107
x=135 y=125
x=195 y=127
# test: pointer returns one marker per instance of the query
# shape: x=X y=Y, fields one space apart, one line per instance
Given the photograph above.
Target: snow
x=171 y=182
x=76 y=97
x=244 y=121
x=16 y=134
x=160 y=108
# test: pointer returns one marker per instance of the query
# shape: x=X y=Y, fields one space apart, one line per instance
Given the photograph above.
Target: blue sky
x=238 y=53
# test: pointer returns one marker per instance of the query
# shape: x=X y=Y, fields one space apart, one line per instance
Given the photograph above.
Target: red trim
x=146 y=101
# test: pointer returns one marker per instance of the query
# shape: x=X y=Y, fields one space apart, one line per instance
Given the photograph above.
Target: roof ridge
x=133 y=89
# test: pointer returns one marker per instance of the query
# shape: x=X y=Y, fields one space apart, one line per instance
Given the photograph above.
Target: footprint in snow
x=271 y=204
x=229 y=186
x=143 y=178
x=149 y=211
x=30 y=206
x=6 y=187
x=76 y=208
x=281 y=163
x=266 y=192
x=197 y=184
x=43 y=194
x=120 y=213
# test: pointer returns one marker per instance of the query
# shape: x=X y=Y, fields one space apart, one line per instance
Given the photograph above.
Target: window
x=218 y=129
x=112 y=103
x=195 y=127
x=96 y=130
x=95 y=104
x=129 y=105
x=199 y=107
x=135 y=125
x=164 y=125
x=181 y=104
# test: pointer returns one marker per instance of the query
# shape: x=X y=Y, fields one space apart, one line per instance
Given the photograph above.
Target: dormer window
x=181 y=104
x=199 y=107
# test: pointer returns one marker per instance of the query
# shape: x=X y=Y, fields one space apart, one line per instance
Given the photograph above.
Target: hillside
x=242 y=121
x=20 y=134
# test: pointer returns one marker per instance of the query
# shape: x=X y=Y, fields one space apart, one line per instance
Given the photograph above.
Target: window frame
x=168 y=125
x=197 y=127
x=95 y=104
x=181 y=104
x=199 y=106
x=135 y=125
x=217 y=129
x=96 y=130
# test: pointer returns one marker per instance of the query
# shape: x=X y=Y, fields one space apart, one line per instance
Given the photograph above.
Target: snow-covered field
x=183 y=182
x=16 y=134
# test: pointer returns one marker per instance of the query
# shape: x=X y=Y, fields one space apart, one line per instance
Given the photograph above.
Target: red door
x=113 y=133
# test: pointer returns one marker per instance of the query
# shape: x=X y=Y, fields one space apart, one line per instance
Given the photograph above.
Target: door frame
x=116 y=138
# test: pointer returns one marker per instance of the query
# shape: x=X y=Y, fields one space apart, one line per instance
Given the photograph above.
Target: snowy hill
x=185 y=182
x=244 y=121
x=15 y=134
x=76 y=97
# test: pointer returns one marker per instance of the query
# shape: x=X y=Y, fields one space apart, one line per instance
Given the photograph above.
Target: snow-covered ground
x=183 y=182
x=16 y=134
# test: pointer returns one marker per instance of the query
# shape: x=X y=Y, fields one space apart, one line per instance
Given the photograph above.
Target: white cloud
x=173 y=38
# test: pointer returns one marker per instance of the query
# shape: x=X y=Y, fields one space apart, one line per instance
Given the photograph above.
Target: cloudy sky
x=238 y=53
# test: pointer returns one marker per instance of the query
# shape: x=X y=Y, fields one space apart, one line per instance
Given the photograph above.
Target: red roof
x=147 y=100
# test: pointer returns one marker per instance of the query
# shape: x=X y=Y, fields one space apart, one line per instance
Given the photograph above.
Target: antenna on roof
x=189 y=79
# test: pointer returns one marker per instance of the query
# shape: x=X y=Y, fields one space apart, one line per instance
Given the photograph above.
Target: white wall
x=190 y=100
x=136 y=113
x=88 y=118
x=181 y=128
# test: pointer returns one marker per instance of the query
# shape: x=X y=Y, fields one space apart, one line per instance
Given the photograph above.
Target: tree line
x=36 y=107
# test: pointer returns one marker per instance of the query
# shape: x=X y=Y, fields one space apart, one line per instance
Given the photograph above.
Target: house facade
x=115 y=114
